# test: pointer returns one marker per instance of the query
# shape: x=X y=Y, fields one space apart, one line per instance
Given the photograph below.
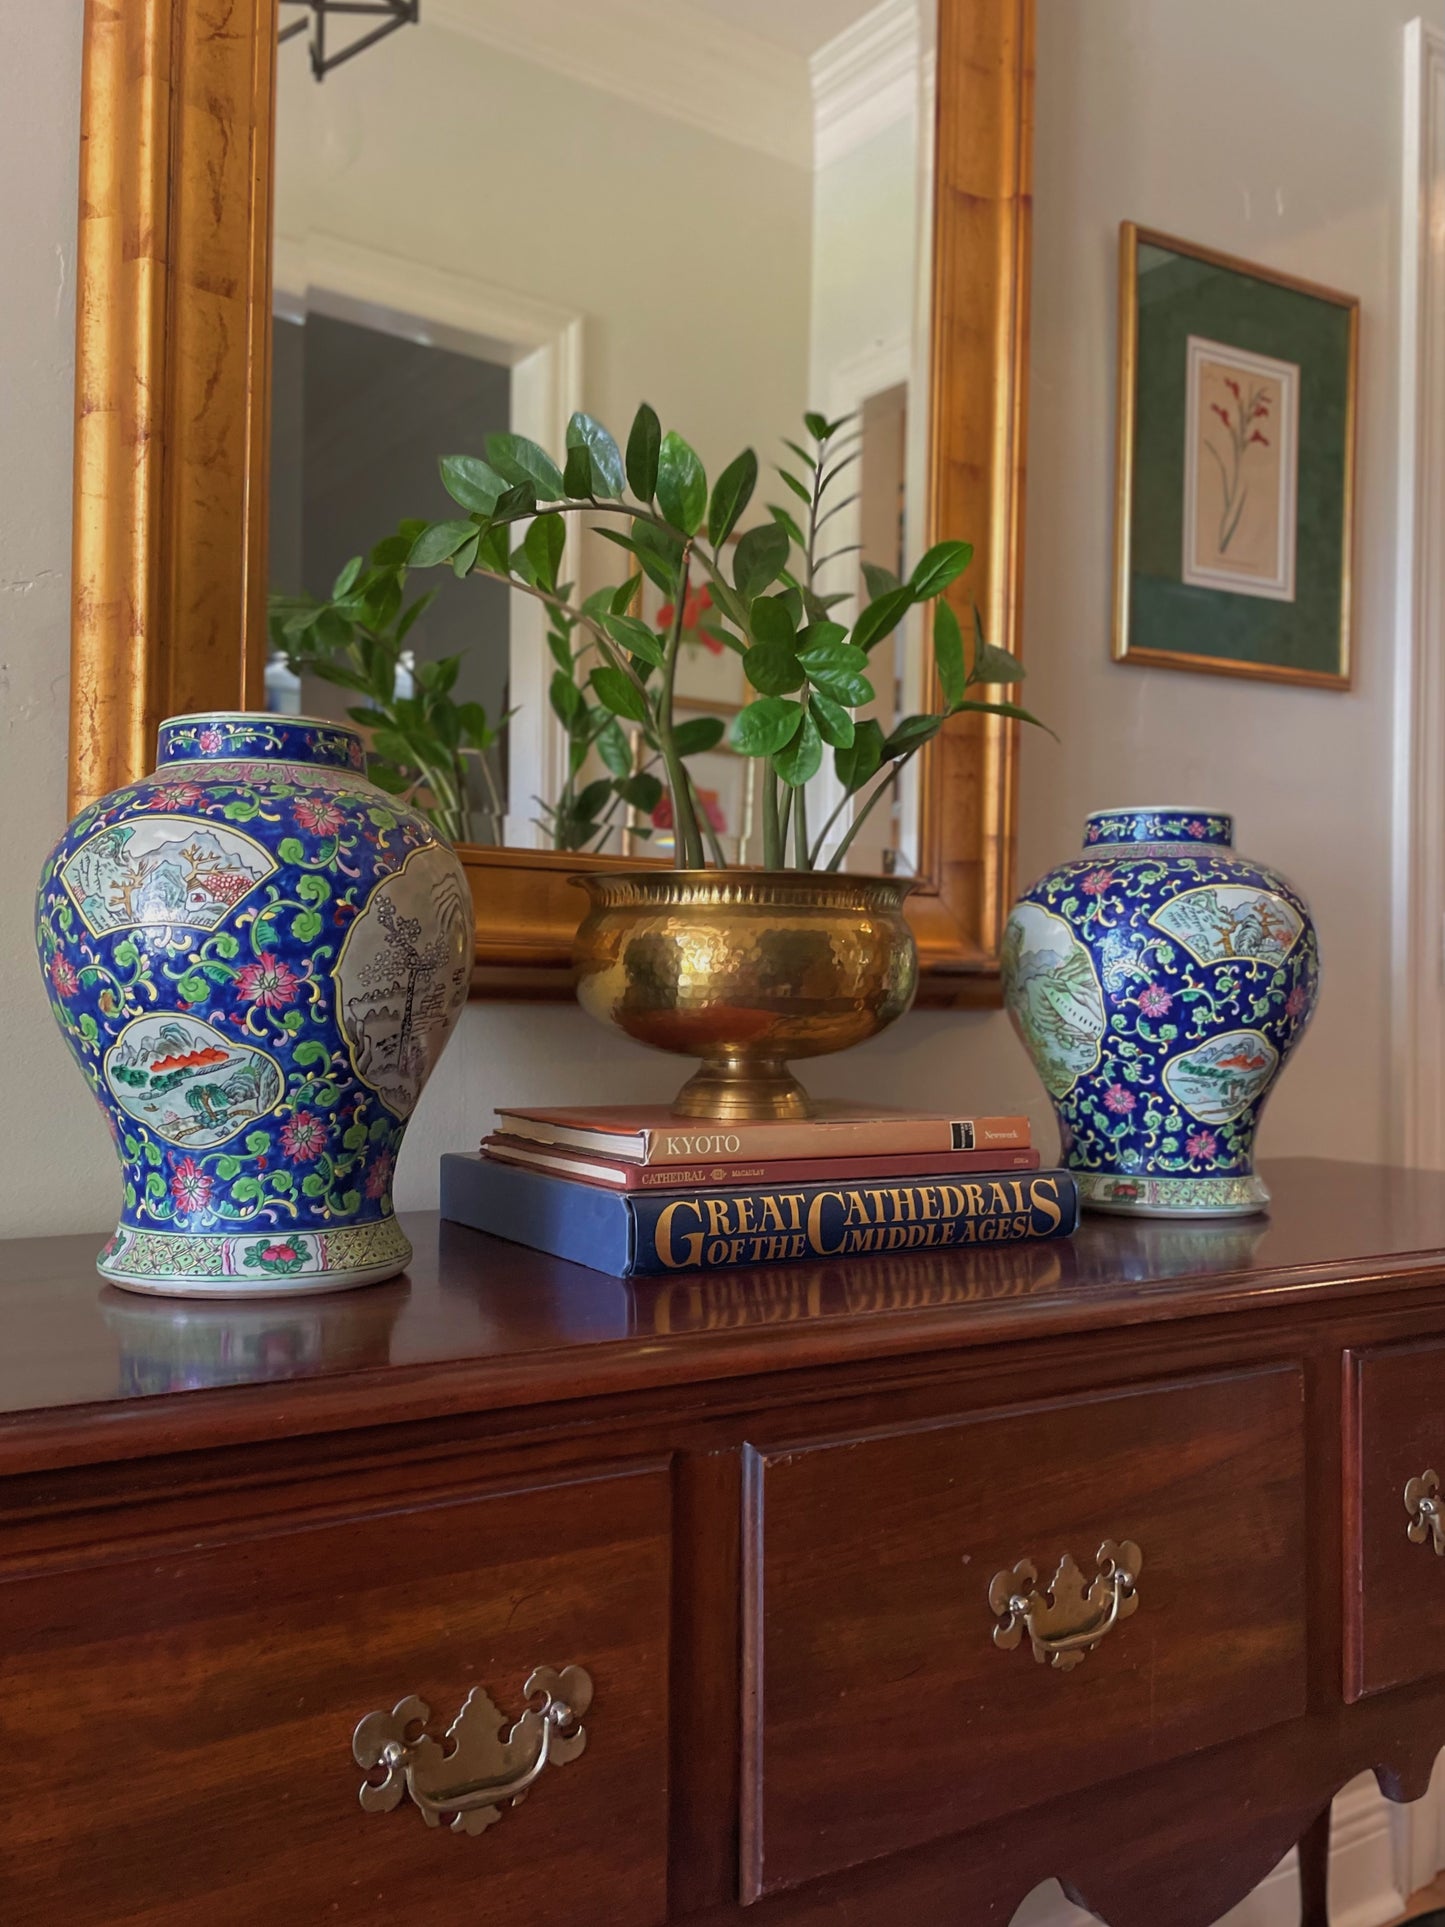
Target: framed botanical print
x=1235 y=497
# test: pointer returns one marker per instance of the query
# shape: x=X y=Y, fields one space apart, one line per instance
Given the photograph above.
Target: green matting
x=1179 y=296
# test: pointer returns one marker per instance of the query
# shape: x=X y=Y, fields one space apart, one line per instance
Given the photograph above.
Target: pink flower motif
x=318 y=816
x=282 y=1254
x=269 y=983
x=1294 y=1004
x=190 y=1187
x=1196 y=828
x=1096 y=882
x=174 y=796
x=303 y=1137
x=354 y=755
x=1118 y=1100
x=378 y=1178
x=210 y=742
x=1202 y=1145
x=1155 y=1000
x=64 y=976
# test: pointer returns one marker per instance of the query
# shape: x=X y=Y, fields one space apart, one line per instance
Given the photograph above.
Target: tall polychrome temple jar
x=256 y=956
x=1159 y=982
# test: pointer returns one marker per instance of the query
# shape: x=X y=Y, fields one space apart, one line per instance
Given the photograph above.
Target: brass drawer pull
x=1068 y=1624
x=482 y=1771
x=1422 y=1502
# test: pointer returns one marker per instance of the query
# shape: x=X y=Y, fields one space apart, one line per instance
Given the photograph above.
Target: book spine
x=566 y=1162
x=717 y=1230
x=875 y=1137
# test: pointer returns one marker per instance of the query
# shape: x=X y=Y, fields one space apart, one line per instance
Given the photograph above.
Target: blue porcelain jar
x=256 y=956
x=1159 y=982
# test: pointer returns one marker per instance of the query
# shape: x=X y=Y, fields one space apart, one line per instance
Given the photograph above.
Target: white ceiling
x=800 y=26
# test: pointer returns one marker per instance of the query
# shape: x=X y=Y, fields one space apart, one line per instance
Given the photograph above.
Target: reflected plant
x=422 y=739
x=809 y=671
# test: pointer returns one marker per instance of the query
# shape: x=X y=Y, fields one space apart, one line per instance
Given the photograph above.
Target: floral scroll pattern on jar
x=256 y=957
x=1159 y=983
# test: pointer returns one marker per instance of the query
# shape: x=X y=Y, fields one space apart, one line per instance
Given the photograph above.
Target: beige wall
x=1272 y=132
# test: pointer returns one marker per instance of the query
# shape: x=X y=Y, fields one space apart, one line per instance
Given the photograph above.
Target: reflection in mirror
x=504 y=213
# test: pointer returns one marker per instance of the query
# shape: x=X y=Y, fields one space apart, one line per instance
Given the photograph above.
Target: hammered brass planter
x=745 y=969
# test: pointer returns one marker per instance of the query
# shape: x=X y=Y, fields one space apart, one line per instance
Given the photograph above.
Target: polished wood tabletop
x=479 y=1324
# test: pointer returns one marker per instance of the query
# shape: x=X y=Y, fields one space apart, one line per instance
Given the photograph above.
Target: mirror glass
x=506 y=210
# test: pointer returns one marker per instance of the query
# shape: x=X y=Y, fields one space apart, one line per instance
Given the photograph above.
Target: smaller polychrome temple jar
x=256 y=957
x=1159 y=982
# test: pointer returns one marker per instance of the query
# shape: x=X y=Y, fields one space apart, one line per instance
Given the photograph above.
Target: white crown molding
x=659 y=55
x=865 y=79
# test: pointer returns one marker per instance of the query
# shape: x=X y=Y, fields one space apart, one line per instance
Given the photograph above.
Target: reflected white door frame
x=1418 y=1051
x=542 y=345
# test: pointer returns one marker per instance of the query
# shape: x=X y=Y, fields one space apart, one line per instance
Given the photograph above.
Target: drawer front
x=187 y=1717
x=1394 y=1583
x=880 y=1709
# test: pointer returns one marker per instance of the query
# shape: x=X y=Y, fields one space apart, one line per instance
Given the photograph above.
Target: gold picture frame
x=172 y=421
x=1338 y=489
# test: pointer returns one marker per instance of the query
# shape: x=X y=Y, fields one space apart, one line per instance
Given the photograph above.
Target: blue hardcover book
x=649 y=1233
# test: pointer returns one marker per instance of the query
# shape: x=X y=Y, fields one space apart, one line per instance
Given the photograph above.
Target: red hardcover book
x=618 y=1174
x=651 y=1134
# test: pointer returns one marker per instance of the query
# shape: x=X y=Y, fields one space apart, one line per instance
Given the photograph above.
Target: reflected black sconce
x=391 y=14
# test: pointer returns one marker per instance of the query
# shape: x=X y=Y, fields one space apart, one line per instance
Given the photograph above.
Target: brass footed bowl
x=745 y=969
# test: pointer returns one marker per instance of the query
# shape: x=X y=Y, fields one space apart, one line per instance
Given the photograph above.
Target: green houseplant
x=809 y=672
x=745 y=969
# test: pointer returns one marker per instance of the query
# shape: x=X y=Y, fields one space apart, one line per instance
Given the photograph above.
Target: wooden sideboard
x=899 y=1587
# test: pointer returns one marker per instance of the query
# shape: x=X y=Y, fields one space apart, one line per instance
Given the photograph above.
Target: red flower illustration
x=283 y=1254
x=1118 y=1100
x=1223 y=413
x=269 y=983
x=303 y=1137
x=1231 y=460
x=1096 y=882
x=1196 y=828
x=210 y=742
x=378 y=1178
x=190 y=1186
x=318 y=816
x=696 y=606
x=1155 y=1000
x=64 y=976
x=1202 y=1145
x=711 y=807
x=1233 y=387
x=174 y=796
x=1296 y=1001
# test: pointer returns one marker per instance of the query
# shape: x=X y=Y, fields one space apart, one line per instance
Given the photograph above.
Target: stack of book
x=638 y=1191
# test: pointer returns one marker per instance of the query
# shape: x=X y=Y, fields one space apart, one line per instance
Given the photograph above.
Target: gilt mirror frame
x=173 y=347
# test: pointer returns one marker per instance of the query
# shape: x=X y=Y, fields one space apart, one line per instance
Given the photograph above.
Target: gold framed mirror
x=173 y=439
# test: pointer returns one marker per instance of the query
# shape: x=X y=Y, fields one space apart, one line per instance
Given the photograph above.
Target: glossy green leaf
x=544 y=542
x=465 y=559
x=862 y=759
x=608 y=477
x=568 y=702
x=577 y=472
x=787 y=524
x=347 y=577
x=1012 y=711
x=773 y=668
x=829 y=654
x=882 y=617
x=643 y=792
x=771 y=620
x=644 y=445
x=801 y=759
x=948 y=654
x=731 y=494
x=765 y=726
x=439 y=542
x=910 y=733
x=804 y=495
x=818 y=426
x=613 y=747
x=699 y=733
x=943 y=563
x=844 y=685
x=632 y=634
x=519 y=460
x=879 y=581
x=681 y=484
x=760 y=558
x=835 y=725
x=616 y=691
x=472 y=482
